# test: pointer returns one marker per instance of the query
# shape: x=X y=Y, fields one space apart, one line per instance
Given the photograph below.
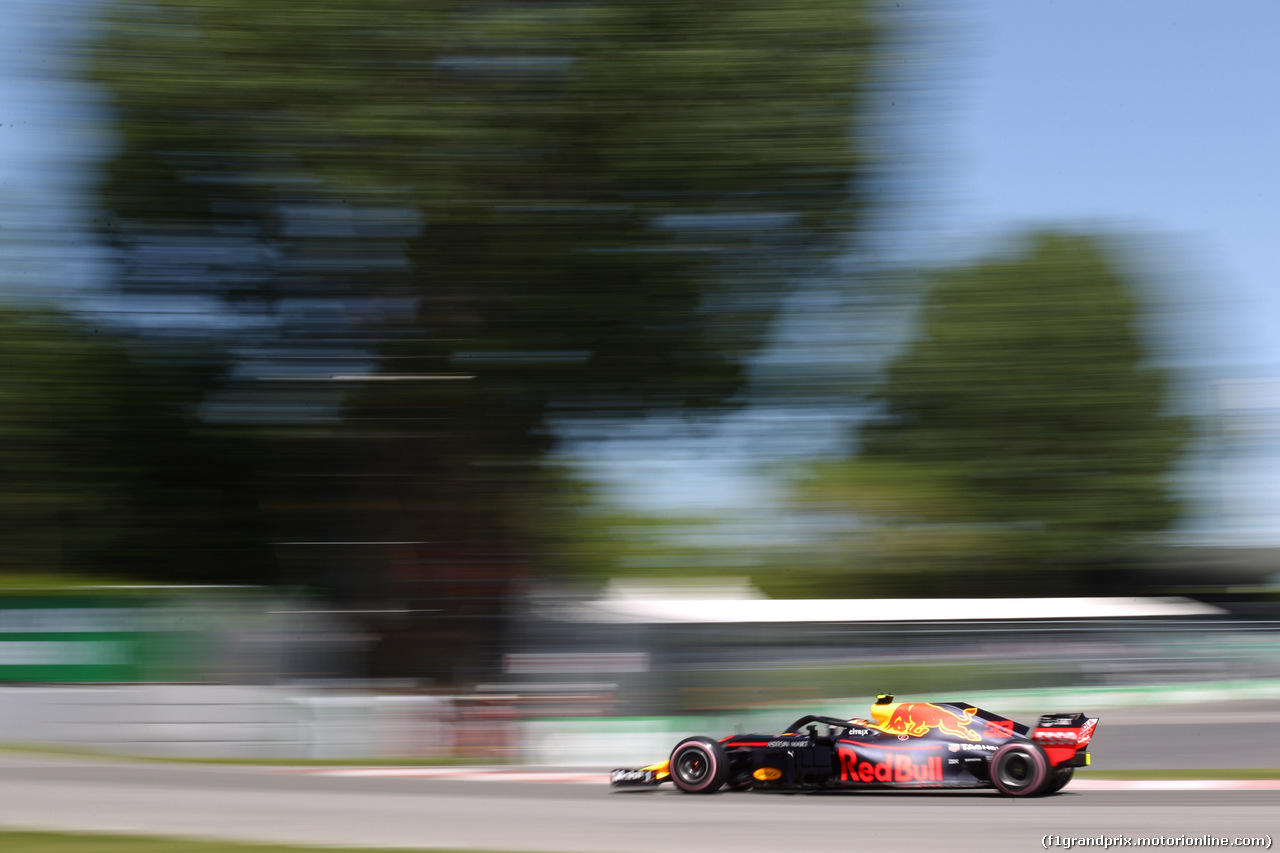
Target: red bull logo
x=899 y=768
x=917 y=719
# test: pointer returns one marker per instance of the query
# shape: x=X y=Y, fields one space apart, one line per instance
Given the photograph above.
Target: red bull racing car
x=903 y=745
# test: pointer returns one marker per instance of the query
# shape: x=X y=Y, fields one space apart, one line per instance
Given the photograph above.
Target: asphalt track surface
x=275 y=804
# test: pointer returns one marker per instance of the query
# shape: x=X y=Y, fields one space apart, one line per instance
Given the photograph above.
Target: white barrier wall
x=226 y=721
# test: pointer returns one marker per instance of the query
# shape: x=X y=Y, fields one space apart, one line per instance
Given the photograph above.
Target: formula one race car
x=904 y=745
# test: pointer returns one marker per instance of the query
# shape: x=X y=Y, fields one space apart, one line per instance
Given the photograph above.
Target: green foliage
x=1025 y=430
x=602 y=546
x=575 y=211
x=100 y=459
x=540 y=143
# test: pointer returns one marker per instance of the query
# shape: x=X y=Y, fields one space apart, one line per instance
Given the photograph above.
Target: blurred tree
x=473 y=221
x=1025 y=442
x=106 y=472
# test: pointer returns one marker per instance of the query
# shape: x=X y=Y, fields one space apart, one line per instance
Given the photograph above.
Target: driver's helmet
x=883 y=709
x=881 y=713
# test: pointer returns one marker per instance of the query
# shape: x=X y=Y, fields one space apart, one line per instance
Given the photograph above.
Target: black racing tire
x=699 y=765
x=1058 y=779
x=1021 y=769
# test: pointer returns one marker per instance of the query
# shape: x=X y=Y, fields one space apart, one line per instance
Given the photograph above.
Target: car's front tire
x=1021 y=770
x=699 y=765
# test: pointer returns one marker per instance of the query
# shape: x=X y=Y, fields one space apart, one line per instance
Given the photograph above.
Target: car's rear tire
x=1021 y=769
x=699 y=765
x=1058 y=779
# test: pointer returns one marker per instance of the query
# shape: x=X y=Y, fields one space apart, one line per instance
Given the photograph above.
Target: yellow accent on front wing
x=661 y=770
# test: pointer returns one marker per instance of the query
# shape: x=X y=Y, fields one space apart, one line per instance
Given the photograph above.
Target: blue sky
x=51 y=135
x=1155 y=115
x=1157 y=118
x=1148 y=119
x=1154 y=118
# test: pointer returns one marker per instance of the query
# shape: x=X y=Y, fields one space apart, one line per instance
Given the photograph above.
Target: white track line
x=472 y=774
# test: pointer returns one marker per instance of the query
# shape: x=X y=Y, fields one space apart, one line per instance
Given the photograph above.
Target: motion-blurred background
x=452 y=378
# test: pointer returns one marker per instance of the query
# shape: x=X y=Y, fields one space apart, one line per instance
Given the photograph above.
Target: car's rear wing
x=1065 y=737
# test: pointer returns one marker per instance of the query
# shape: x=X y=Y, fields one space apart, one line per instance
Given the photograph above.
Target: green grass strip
x=21 y=841
x=1199 y=773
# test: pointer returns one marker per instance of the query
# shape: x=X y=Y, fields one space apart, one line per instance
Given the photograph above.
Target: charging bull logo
x=918 y=718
